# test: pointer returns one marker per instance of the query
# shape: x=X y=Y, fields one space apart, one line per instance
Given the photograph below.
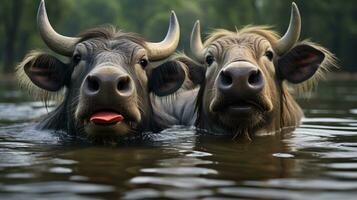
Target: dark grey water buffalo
x=106 y=81
x=244 y=90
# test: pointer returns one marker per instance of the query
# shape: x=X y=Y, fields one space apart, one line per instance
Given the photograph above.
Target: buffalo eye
x=269 y=54
x=77 y=58
x=143 y=62
x=209 y=60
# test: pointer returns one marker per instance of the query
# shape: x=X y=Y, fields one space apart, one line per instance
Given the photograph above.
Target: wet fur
x=329 y=63
x=61 y=118
x=287 y=110
x=101 y=33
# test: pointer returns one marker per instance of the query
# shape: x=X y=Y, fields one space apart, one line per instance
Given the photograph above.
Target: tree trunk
x=11 y=21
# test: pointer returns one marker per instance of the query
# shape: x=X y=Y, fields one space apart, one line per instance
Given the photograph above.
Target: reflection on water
x=317 y=161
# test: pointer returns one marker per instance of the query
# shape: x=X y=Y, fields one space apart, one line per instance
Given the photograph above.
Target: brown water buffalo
x=245 y=89
x=106 y=80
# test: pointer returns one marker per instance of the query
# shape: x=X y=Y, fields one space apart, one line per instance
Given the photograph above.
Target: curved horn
x=292 y=34
x=196 y=42
x=166 y=47
x=58 y=43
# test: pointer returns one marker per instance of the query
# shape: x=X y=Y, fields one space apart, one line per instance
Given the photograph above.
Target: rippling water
x=317 y=161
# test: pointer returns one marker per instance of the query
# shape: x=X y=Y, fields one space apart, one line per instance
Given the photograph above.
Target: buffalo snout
x=240 y=80
x=108 y=82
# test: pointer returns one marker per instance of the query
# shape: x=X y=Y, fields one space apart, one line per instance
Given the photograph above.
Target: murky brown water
x=317 y=161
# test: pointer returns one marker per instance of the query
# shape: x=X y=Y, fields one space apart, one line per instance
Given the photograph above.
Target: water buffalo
x=244 y=91
x=106 y=81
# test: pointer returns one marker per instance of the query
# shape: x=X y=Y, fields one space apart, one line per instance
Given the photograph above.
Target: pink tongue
x=106 y=117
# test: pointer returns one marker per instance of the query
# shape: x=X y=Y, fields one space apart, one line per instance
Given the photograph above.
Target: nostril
x=226 y=79
x=123 y=84
x=92 y=84
x=255 y=78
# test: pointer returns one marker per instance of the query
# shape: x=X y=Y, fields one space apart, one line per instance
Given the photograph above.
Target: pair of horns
x=280 y=47
x=65 y=45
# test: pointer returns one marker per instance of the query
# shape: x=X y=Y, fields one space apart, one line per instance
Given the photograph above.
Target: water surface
x=317 y=161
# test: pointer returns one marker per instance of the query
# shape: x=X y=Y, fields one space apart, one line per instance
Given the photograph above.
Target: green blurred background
x=331 y=23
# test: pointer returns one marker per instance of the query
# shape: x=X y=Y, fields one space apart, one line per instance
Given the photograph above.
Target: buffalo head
x=244 y=90
x=107 y=78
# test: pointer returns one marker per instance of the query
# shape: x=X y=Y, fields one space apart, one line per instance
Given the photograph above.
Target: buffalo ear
x=166 y=78
x=47 y=72
x=197 y=73
x=300 y=63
